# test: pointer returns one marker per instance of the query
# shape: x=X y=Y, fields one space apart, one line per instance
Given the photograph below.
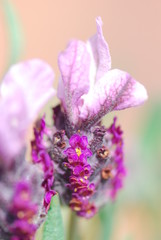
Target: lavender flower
x=88 y=157
x=24 y=90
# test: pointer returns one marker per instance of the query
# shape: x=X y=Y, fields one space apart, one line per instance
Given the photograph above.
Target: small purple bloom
x=23 y=211
x=78 y=149
x=22 y=201
x=82 y=171
x=22 y=229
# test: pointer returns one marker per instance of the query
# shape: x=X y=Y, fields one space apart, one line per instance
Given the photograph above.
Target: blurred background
x=41 y=29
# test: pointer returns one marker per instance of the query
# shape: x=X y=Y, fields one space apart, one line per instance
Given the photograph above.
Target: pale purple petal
x=115 y=91
x=100 y=51
x=25 y=89
x=34 y=79
x=81 y=64
x=88 y=88
x=74 y=65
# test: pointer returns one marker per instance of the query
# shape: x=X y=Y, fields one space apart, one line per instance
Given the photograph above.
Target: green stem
x=14 y=31
x=72 y=226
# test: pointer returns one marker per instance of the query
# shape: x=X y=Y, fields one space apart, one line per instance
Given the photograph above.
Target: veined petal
x=100 y=51
x=25 y=89
x=115 y=91
x=74 y=65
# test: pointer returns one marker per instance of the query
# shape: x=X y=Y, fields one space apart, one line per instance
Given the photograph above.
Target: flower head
x=88 y=157
x=24 y=90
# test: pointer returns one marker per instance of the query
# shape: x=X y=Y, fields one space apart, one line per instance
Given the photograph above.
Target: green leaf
x=53 y=226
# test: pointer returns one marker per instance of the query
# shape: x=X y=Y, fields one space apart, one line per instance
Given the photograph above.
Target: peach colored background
x=132 y=29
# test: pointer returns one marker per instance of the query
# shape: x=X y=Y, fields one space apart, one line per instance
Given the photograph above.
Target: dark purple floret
x=23 y=212
x=40 y=155
x=22 y=230
x=47 y=199
x=21 y=203
x=81 y=188
x=120 y=169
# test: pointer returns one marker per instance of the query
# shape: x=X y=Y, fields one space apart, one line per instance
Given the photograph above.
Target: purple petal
x=74 y=64
x=70 y=152
x=24 y=91
x=100 y=51
x=83 y=142
x=87 y=153
x=22 y=229
x=49 y=195
x=83 y=159
x=77 y=170
x=115 y=91
x=74 y=140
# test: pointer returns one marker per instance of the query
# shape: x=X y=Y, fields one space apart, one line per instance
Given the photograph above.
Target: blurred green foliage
x=107 y=216
x=14 y=31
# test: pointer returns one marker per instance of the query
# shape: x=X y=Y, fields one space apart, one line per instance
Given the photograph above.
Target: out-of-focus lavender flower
x=88 y=157
x=24 y=91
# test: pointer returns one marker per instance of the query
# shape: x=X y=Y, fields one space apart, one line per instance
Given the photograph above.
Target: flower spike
x=87 y=158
